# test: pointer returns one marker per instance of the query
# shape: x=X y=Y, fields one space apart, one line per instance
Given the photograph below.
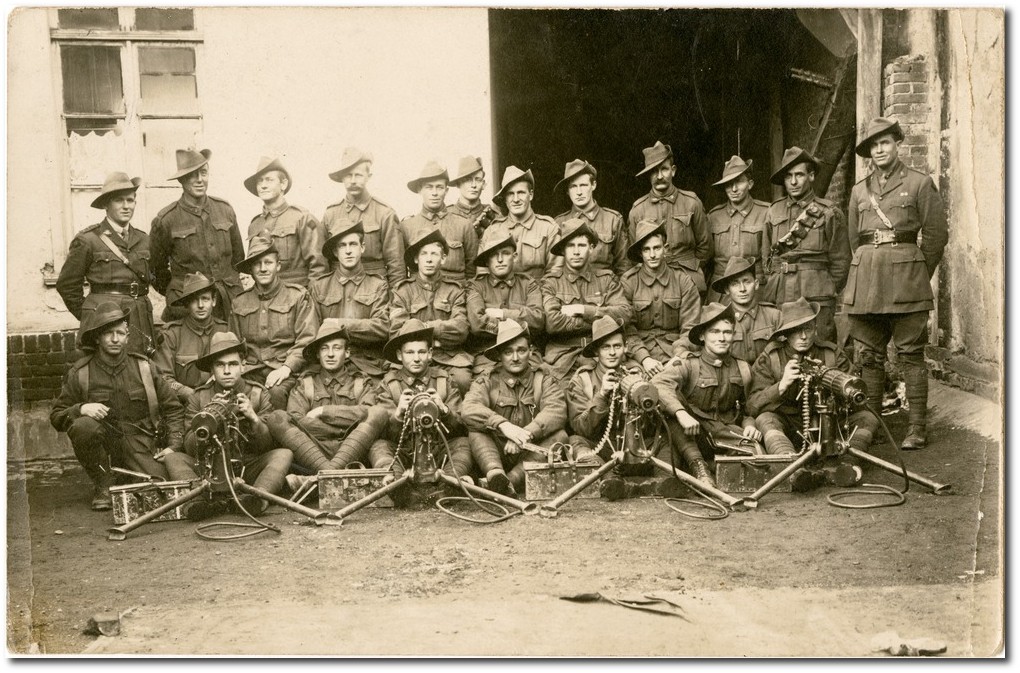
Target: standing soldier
x=501 y=294
x=888 y=295
x=579 y=178
x=460 y=235
x=197 y=233
x=665 y=300
x=113 y=257
x=511 y=408
x=384 y=249
x=438 y=303
x=359 y=301
x=183 y=341
x=534 y=234
x=809 y=253
x=277 y=320
x=295 y=232
x=754 y=322
x=737 y=226
x=680 y=211
x=575 y=296
x=110 y=405
x=470 y=181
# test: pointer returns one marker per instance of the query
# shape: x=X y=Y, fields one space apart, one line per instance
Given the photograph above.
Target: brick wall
x=842 y=180
x=36 y=364
x=905 y=98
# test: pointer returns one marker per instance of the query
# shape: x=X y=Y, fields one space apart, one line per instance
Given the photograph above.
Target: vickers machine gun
x=217 y=429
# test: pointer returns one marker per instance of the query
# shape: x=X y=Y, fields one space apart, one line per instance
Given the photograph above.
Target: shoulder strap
x=395 y=391
x=359 y=387
x=83 y=381
x=745 y=373
x=309 y=386
x=442 y=388
x=150 y=390
x=588 y=384
x=874 y=204
x=537 y=382
x=108 y=242
x=829 y=357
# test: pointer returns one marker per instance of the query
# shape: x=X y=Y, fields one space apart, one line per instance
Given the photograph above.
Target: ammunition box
x=339 y=488
x=545 y=481
x=746 y=474
x=133 y=500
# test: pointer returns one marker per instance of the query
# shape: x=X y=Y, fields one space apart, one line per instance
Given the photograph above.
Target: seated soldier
x=706 y=394
x=411 y=348
x=184 y=341
x=755 y=321
x=331 y=418
x=360 y=301
x=591 y=395
x=575 y=296
x=277 y=319
x=775 y=393
x=511 y=408
x=440 y=304
x=265 y=467
x=501 y=294
x=110 y=405
x=665 y=300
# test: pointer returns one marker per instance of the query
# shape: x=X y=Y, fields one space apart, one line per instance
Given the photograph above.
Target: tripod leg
x=938 y=489
x=524 y=507
x=375 y=495
x=550 y=509
x=118 y=533
x=814 y=452
x=730 y=501
x=316 y=515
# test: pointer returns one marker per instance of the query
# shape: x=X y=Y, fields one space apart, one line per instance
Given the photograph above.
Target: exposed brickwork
x=36 y=364
x=842 y=180
x=905 y=97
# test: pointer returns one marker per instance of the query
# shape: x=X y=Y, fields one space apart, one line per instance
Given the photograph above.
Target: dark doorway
x=603 y=84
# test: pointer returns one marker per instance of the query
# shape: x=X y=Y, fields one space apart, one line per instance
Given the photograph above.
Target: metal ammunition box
x=545 y=481
x=133 y=500
x=339 y=488
x=746 y=474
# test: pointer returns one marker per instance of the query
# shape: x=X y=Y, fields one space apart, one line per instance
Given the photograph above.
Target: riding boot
x=696 y=465
x=916 y=377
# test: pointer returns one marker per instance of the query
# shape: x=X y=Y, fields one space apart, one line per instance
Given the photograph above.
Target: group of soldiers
x=524 y=329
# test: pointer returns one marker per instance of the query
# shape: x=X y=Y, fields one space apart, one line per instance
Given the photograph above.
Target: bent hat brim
x=720 y=283
x=191 y=168
x=493 y=351
x=590 y=349
x=801 y=157
x=185 y=299
x=206 y=362
x=634 y=251
x=863 y=148
x=100 y=201
x=392 y=346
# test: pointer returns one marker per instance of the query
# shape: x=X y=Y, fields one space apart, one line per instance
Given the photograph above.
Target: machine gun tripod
x=217 y=429
x=634 y=414
x=828 y=396
x=422 y=437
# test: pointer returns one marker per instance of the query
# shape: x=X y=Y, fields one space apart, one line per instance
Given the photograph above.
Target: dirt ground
x=796 y=577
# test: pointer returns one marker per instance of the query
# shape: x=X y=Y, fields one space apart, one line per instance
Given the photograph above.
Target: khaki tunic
x=753 y=330
x=518 y=296
x=397 y=381
x=277 y=324
x=298 y=238
x=259 y=438
x=361 y=303
x=737 y=233
x=384 y=246
x=611 y=251
x=534 y=235
x=587 y=410
x=183 y=342
x=706 y=387
x=459 y=233
x=666 y=306
x=688 y=244
x=767 y=372
x=345 y=397
x=441 y=305
x=497 y=397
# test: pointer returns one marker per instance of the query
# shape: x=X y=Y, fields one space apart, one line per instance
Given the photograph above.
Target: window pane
x=169 y=93
x=92 y=79
x=164 y=19
x=88 y=18
x=166 y=60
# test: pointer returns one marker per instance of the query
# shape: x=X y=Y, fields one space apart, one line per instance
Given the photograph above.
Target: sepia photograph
x=505 y=332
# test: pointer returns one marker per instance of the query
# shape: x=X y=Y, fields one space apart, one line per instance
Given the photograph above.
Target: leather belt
x=793 y=267
x=130 y=289
x=879 y=237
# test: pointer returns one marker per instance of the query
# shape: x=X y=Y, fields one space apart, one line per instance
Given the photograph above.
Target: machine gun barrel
x=846 y=386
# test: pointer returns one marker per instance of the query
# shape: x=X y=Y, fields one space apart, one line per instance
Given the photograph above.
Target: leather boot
x=699 y=470
x=101 y=499
x=498 y=482
x=916 y=377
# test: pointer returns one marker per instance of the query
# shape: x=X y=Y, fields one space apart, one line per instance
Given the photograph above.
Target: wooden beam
x=869 y=72
x=775 y=130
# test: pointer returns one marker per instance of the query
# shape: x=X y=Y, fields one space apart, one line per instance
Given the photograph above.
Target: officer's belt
x=793 y=267
x=883 y=236
x=131 y=289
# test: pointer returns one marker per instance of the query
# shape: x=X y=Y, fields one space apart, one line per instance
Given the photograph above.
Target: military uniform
x=533 y=401
x=188 y=239
x=442 y=306
x=666 y=305
x=470 y=214
x=384 y=247
x=688 y=244
x=342 y=434
x=737 y=233
x=297 y=237
x=534 y=236
x=588 y=409
x=753 y=329
x=778 y=415
x=126 y=437
x=611 y=251
x=460 y=236
x=518 y=296
x=91 y=260
x=361 y=303
x=601 y=293
x=277 y=324
x=817 y=268
x=394 y=384
x=888 y=294
x=181 y=343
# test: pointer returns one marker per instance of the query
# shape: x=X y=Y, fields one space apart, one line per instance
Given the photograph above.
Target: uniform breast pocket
x=417 y=308
x=455 y=258
x=287 y=245
x=644 y=317
x=185 y=239
x=443 y=306
x=671 y=307
x=102 y=268
x=361 y=307
x=532 y=251
x=373 y=238
x=280 y=324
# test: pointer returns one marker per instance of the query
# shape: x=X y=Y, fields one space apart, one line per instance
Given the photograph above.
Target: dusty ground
x=797 y=577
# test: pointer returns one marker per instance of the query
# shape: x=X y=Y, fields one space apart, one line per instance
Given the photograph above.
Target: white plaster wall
x=406 y=84
x=975 y=140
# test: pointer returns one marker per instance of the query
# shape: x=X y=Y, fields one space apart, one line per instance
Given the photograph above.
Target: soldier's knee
x=768 y=421
x=85 y=430
x=869 y=357
x=280 y=458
